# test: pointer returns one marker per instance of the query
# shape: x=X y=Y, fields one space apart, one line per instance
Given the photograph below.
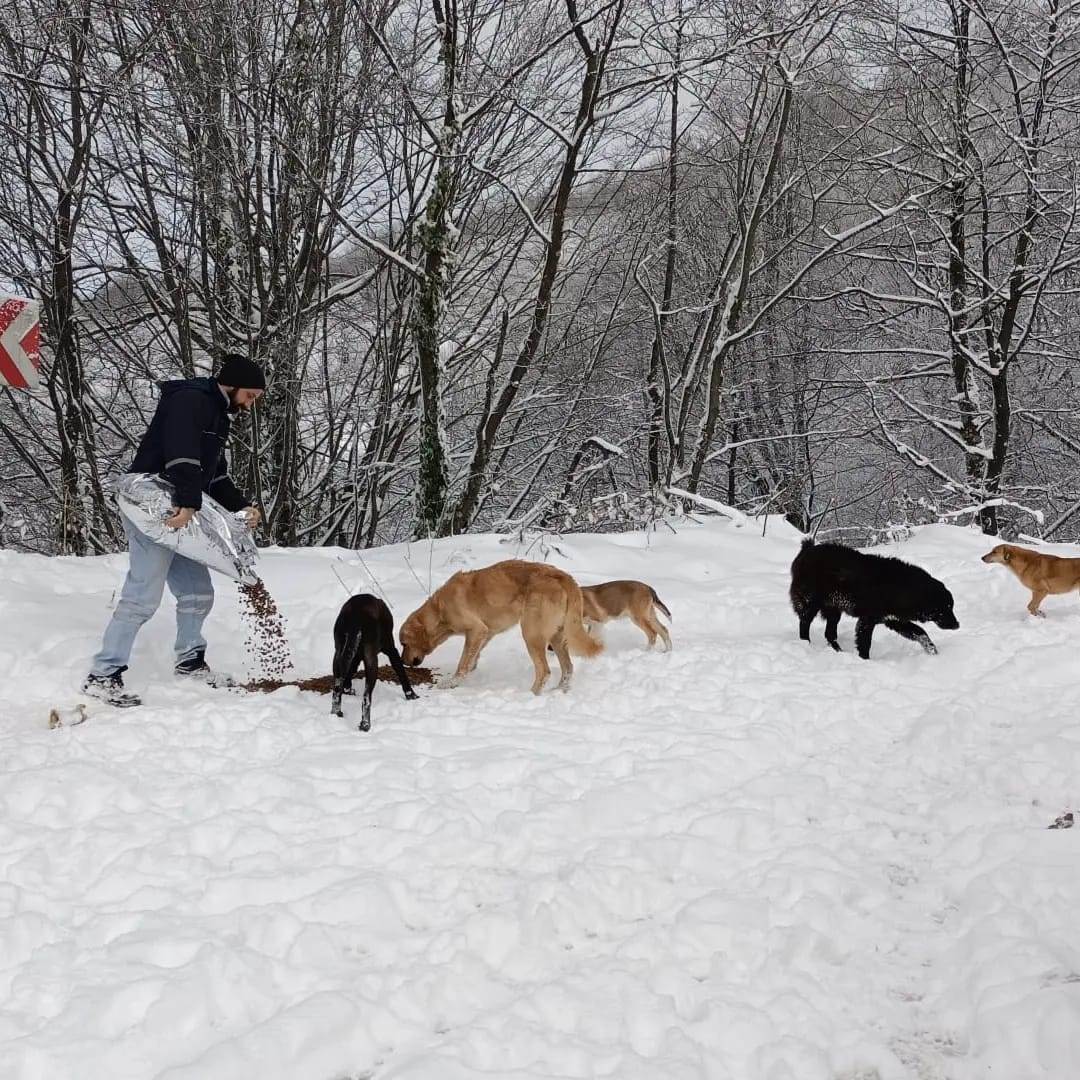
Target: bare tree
x=986 y=96
x=58 y=81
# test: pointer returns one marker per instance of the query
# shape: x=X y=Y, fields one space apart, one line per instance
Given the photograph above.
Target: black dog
x=832 y=578
x=364 y=625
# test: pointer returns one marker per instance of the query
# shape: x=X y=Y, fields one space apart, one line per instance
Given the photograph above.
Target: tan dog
x=1044 y=575
x=615 y=599
x=546 y=602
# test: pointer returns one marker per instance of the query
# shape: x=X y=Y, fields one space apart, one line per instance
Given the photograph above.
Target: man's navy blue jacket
x=185 y=443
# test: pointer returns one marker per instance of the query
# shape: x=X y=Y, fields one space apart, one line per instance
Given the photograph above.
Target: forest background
x=551 y=265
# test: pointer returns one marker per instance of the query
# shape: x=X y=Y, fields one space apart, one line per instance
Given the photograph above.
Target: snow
x=750 y=859
x=737 y=517
x=607 y=447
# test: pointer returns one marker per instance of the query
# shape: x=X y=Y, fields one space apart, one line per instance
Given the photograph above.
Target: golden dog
x=546 y=602
x=1044 y=575
x=615 y=599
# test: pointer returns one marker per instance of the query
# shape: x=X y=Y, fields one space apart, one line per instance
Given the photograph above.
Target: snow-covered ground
x=750 y=859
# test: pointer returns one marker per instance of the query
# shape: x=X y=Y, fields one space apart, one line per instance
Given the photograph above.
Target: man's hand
x=180 y=517
x=251 y=516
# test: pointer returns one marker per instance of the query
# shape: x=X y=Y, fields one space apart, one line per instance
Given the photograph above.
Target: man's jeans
x=152 y=568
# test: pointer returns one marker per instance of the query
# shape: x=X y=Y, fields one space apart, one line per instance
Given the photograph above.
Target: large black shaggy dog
x=828 y=579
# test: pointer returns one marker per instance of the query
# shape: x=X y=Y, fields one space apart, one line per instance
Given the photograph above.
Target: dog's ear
x=435 y=609
x=1006 y=555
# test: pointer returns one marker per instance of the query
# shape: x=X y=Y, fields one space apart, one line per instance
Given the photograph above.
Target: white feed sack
x=215 y=537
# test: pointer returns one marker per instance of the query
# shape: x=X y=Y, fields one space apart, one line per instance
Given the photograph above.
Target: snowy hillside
x=751 y=859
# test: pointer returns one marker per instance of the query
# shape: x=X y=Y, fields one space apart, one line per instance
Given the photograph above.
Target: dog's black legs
x=346 y=659
x=913 y=632
x=371 y=675
x=399 y=668
x=807 y=613
x=864 y=632
x=832 y=619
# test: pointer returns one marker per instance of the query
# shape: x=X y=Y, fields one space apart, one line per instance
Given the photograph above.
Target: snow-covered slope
x=750 y=859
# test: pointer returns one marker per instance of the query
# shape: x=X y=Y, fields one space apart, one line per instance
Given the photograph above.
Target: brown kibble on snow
x=266 y=640
x=324 y=684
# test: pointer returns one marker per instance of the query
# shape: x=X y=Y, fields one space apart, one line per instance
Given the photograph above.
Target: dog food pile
x=266 y=640
x=324 y=684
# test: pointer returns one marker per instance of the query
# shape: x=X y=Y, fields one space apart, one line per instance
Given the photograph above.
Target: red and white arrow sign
x=20 y=336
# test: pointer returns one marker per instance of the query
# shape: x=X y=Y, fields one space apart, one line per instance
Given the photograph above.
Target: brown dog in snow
x=1044 y=575
x=615 y=599
x=545 y=601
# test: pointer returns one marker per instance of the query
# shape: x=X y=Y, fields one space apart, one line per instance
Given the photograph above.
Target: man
x=185 y=444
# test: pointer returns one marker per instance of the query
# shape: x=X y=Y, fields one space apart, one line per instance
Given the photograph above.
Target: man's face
x=240 y=398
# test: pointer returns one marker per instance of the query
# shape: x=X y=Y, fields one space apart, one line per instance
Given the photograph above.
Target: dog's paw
x=410 y=695
x=452 y=683
x=1038 y=614
x=931 y=648
x=364 y=725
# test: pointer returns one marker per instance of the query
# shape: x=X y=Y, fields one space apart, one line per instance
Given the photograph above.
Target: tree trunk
x=974 y=463
x=659 y=395
x=436 y=236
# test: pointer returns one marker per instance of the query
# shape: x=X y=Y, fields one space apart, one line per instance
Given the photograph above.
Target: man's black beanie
x=239 y=371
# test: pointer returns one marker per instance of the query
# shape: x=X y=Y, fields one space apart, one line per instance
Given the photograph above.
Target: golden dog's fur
x=545 y=601
x=635 y=599
x=1044 y=575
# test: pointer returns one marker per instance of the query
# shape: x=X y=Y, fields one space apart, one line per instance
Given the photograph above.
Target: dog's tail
x=579 y=641
x=659 y=603
x=346 y=645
